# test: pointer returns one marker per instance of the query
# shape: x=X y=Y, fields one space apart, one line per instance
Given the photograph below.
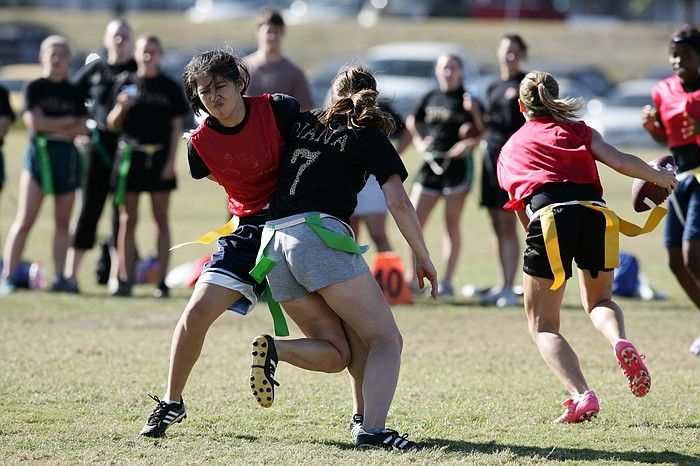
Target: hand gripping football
x=645 y=194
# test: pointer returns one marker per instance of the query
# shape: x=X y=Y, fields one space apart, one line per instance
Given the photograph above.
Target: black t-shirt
x=54 y=99
x=504 y=117
x=324 y=168
x=442 y=113
x=158 y=101
x=285 y=109
x=96 y=80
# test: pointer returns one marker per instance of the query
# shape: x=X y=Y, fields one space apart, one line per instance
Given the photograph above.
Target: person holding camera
x=148 y=112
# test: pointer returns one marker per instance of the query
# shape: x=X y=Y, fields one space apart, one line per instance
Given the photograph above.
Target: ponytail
x=539 y=93
x=354 y=102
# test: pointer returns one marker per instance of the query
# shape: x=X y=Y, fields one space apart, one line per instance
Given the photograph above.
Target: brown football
x=645 y=194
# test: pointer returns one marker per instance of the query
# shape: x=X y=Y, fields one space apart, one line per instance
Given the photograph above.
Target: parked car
x=516 y=9
x=222 y=10
x=309 y=11
x=618 y=117
x=405 y=71
x=587 y=75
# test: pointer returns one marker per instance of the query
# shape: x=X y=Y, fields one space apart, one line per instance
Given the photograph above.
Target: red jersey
x=673 y=104
x=247 y=163
x=544 y=151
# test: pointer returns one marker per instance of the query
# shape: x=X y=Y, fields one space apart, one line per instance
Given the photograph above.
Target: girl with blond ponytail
x=314 y=267
x=548 y=168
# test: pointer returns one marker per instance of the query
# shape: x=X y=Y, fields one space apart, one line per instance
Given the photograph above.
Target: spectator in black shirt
x=148 y=114
x=438 y=125
x=503 y=118
x=54 y=115
x=96 y=80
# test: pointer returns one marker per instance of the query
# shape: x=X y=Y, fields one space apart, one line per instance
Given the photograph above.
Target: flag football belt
x=263 y=264
x=96 y=142
x=126 y=149
x=42 y=149
x=614 y=225
x=688 y=173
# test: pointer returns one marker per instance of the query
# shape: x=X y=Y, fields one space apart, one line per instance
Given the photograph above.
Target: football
x=645 y=194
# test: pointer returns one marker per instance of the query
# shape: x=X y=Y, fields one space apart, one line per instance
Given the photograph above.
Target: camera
x=130 y=90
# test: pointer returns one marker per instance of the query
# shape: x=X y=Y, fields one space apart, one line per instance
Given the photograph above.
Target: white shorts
x=371 y=199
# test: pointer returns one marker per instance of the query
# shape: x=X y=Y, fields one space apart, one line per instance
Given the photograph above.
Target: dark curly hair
x=212 y=64
x=687 y=35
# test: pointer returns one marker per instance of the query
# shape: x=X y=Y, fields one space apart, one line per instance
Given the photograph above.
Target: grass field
x=75 y=371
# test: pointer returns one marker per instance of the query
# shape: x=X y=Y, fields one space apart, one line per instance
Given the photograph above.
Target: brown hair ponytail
x=539 y=93
x=354 y=101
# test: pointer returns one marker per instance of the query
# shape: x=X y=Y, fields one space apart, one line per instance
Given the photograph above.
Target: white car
x=618 y=117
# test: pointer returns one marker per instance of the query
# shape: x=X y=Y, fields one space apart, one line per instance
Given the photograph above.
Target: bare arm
x=651 y=123
x=422 y=143
x=630 y=165
x=67 y=126
x=406 y=219
x=116 y=116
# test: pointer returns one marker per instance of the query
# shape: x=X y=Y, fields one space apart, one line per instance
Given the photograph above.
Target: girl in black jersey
x=148 y=113
x=54 y=115
x=318 y=273
x=503 y=118
x=96 y=80
x=437 y=126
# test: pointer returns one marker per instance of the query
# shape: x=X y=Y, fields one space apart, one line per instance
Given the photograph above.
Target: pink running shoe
x=632 y=365
x=579 y=409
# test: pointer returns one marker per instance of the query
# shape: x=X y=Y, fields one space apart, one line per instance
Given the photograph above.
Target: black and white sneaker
x=387 y=439
x=262 y=370
x=162 y=416
x=356 y=424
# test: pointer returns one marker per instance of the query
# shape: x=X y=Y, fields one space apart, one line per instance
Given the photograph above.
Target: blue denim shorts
x=683 y=219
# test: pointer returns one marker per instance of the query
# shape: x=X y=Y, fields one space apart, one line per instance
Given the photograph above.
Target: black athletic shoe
x=262 y=370
x=161 y=417
x=356 y=424
x=161 y=291
x=387 y=439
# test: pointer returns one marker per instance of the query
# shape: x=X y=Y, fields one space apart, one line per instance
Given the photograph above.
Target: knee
x=195 y=318
x=340 y=362
x=677 y=265
x=388 y=341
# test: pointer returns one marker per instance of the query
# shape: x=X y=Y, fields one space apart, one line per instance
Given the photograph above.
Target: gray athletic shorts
x=303 y=262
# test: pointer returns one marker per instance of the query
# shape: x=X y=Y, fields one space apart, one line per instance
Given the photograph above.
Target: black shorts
x=454 y=175
x=2 y=168
x=581 y=234
x=492 y=196
x=145 y=172
x=65 y=162
x=233 y=260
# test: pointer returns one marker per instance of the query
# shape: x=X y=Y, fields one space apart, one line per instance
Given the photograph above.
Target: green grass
x=75 y=371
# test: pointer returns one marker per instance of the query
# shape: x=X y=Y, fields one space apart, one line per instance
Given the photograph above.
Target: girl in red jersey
x=239 y=146
x=548 y=168
x=673 y=122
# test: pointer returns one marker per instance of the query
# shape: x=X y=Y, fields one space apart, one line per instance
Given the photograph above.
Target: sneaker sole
x=639 y=382
x=263 y=389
